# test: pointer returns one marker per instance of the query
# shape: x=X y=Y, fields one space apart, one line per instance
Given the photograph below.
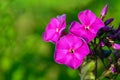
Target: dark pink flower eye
x=87 y=27
x=71 y=50
x=57 y=30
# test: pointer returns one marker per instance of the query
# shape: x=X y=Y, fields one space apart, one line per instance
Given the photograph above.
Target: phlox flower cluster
x=72 y=47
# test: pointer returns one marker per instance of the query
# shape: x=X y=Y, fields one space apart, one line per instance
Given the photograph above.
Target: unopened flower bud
x=102 y=44
x=108 y=21
x=118 y=29
x=104 y=11
x=116 y=46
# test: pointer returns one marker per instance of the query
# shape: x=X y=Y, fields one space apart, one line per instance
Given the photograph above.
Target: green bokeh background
x=23 y=53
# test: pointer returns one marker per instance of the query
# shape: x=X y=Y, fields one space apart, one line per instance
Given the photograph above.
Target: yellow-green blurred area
x=23 y=53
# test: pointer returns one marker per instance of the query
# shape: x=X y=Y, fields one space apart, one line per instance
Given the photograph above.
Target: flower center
x=87 y=27
x=57 y=30
x=71 y=50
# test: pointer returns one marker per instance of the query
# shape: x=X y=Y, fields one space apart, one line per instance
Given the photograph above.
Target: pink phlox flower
x=89 y=26
x=116 y=46
x=54 y=29
x=71 y=50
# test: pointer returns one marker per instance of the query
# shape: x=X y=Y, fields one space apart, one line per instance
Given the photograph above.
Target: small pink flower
x=54 y=29
x=71 y=50
x=116 y=46
x=89 y=26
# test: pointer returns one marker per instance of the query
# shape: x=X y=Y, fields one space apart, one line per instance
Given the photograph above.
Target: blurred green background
x=23 y=53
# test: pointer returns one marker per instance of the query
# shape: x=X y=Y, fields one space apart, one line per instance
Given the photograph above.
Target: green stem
x=96 y=68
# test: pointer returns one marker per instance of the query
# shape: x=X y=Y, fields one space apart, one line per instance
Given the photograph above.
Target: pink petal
x=97 y=24
x=55 y=37
x=68 y=59
x=76 y=28
x=52 y=24
x=86 y=17
x=73 y=41
x=82 y=51
x=76 y=63
x=62 y=43
x=59 y=55
x=62 y=20
x=89 y=35
x=116 y=46
x=48 y=35
x=79 y=30
x=72 y=61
